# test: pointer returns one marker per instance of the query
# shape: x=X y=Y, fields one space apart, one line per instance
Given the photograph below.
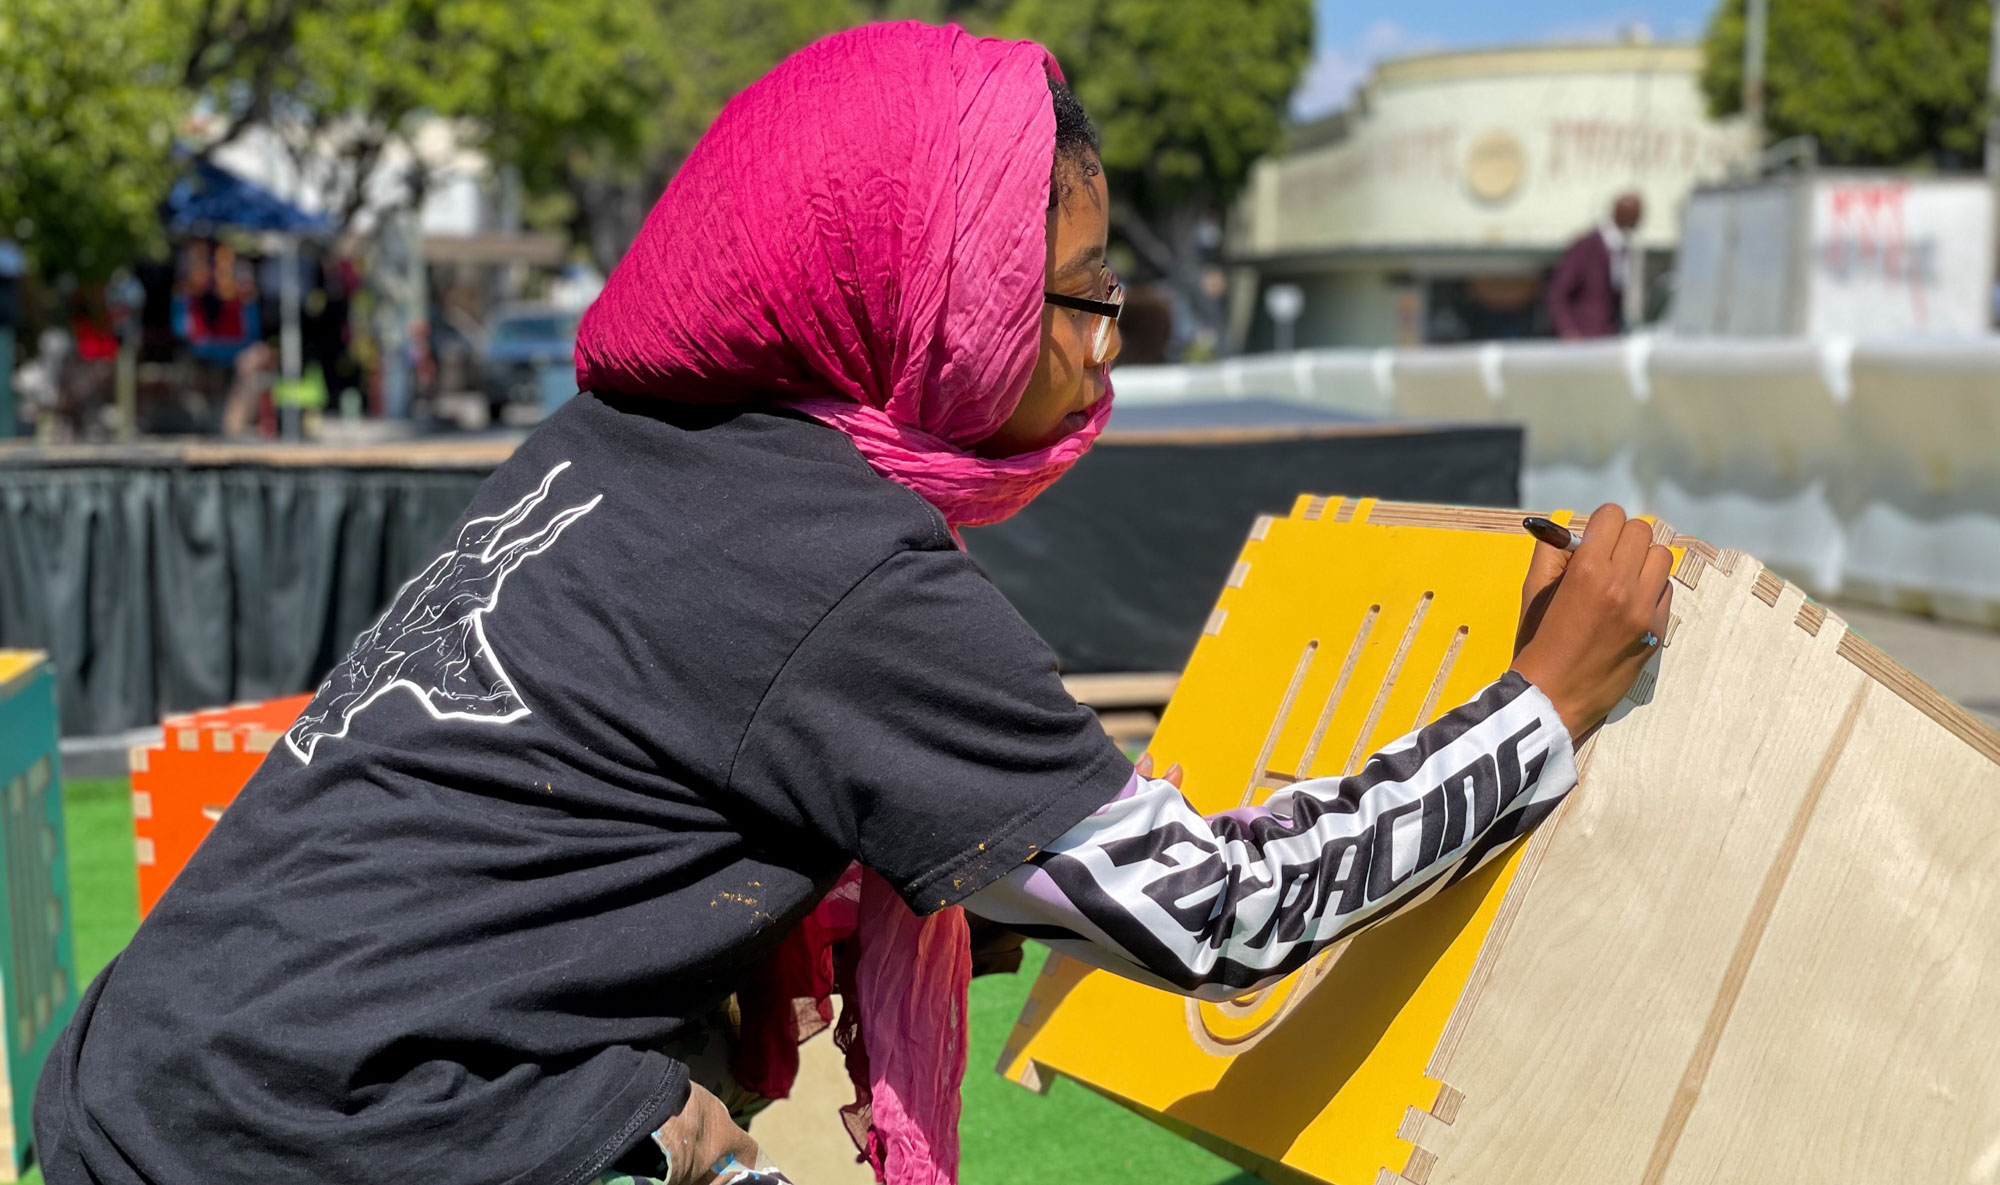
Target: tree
x=85 y=133
x=99 y=90
x=705 y=51
x=1187 y=97
x=1876 y=82
x=595 y=102
x=342 y=82
x=709 y=50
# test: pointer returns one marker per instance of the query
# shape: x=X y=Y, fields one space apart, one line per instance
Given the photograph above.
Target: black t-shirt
x=673 y=672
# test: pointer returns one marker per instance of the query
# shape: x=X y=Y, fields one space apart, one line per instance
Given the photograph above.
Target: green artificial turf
x=97 y=816
x=1010 y=1135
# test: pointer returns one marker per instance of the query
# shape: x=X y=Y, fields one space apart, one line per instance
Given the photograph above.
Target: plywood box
x=38 y=975
x=181 y=786
x=1760 y=942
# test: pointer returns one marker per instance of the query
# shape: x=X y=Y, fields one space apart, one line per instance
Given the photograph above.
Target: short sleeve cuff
x=1015 y=841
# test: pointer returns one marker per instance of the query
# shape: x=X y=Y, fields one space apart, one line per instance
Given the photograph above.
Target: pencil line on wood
x=1695 y=1075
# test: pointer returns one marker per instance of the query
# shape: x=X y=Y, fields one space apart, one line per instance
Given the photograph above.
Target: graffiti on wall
x=1892 y=256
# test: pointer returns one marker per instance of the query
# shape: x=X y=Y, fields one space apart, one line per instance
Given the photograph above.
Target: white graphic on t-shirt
x=432 y=639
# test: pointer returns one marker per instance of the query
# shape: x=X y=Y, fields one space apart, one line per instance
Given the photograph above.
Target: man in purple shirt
x=1586 y=294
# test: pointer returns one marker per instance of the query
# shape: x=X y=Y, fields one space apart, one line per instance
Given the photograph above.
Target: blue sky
x=1352 y=34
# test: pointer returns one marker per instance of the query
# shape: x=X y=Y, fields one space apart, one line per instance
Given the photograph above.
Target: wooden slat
x=1460 y=518
x=1128 y=726
x=1132 y=689
x=1637 y=896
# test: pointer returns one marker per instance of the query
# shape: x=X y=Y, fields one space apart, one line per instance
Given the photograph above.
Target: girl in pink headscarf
x=703 y=699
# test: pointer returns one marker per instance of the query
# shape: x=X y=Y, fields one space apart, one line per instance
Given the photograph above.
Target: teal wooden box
x=38 y=987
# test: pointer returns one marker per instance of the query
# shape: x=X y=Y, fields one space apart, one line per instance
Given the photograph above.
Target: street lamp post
x=1756 y=28
x=1993 y=124
x=1993 y=95
x=1284 y=302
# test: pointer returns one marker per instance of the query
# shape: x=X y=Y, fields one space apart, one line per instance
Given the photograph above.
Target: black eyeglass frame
x=1083 y=304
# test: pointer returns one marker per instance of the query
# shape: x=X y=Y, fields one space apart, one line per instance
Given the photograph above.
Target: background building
x=1432 y=207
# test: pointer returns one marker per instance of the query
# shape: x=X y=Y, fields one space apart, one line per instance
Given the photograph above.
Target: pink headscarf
x=861 y=235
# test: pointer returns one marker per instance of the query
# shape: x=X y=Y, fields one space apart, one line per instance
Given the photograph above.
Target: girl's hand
x=1144 y=768
x=1590 y=619
x=703 y=1144
x=996 y=950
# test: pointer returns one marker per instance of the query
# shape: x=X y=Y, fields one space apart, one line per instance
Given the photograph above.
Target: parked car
x=530 y=355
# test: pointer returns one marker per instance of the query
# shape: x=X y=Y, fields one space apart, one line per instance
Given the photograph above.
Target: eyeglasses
x=1106 y=311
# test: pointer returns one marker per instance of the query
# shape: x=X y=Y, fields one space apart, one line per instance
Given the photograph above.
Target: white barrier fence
x=1869 y=469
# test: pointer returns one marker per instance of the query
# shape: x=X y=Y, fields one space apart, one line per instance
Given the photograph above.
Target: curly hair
x=1076 y=144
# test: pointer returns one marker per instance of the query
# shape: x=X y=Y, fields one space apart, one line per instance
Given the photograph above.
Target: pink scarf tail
x=903 y=984
x=912 y=974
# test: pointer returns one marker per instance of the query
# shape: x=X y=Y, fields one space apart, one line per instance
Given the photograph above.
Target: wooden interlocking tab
x=38 y=984
x=189 y=780
x=1757 y=941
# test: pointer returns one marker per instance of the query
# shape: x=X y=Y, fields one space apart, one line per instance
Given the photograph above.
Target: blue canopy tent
x=209 y=197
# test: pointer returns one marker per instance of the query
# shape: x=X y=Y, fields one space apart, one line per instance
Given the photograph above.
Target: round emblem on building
x=1496 y=166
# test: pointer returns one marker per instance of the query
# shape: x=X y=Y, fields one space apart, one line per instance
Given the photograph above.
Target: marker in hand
x=1548 y=531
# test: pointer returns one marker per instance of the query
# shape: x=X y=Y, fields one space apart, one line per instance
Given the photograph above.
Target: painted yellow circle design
x=1235 y=1026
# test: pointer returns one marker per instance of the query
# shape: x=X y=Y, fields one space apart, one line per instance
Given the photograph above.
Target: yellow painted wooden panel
x=1339 y=635
x=16 y=663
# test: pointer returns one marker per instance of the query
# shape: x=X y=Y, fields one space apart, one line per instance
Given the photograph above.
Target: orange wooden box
x=180 y=787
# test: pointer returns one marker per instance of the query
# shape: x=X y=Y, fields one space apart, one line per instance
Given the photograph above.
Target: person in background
x=1586 y=295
